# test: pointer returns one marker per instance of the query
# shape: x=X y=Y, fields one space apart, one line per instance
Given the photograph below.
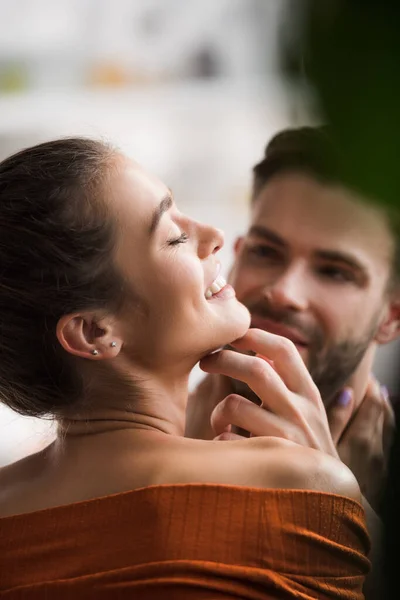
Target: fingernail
x=344 y=398
x=385 y=393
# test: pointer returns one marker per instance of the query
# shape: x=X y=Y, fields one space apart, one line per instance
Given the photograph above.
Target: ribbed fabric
x=188 y=541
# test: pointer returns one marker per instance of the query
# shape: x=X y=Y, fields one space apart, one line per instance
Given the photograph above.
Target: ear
x=389 y=329
x=238 y=245
x=89 y=336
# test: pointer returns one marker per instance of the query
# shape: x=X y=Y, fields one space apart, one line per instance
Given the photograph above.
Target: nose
x=289 y=290
x=210 y=240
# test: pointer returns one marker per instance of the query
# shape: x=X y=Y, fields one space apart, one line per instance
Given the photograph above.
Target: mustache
x=265 y=310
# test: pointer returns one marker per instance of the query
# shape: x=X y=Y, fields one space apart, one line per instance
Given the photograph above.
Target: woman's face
x=170 y=263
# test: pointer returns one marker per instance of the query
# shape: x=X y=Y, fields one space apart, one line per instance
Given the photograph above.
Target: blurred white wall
x=189 y=89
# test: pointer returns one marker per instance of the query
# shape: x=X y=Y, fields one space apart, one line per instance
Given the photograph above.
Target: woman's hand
x=291 y=404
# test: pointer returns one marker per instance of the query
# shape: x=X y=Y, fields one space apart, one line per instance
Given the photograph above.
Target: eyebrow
x=341 y=257
x=268 y=235
x=330 y=255
x=164 y=205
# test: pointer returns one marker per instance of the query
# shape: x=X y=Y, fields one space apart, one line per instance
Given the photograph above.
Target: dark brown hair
x=56 y=240
x=307 y=149
x=311 y=150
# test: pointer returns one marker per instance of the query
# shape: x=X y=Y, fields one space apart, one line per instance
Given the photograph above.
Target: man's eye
x=262 y=251
x=336 y=274
x=179 y=240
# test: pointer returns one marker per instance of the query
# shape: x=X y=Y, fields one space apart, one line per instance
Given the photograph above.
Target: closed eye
x=179 y=240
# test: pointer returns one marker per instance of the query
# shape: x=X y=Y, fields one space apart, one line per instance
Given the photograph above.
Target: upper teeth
x=216 y=286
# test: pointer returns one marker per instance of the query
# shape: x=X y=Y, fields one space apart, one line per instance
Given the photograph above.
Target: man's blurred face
x=314 y=266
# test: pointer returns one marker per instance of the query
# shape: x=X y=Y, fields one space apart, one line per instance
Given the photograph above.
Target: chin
x=236 y=323
x=231 y=325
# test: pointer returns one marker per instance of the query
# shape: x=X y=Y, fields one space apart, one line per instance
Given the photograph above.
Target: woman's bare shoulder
x=288 y=465
x=305 y=468
x=10 y=477
x=270 y=462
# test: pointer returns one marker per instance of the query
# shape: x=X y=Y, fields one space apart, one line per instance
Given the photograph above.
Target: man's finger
x=284 y=355
x=363 y=425
x=389 y=421
x=339 y=414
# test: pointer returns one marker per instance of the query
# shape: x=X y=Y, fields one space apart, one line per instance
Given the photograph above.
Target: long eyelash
x=180 y=240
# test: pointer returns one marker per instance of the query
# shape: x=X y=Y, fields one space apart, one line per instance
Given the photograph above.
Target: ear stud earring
x=95 y=352
x=113 y=344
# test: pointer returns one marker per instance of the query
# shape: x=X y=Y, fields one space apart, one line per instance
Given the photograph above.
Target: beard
x=329 y=366
x=331 y=371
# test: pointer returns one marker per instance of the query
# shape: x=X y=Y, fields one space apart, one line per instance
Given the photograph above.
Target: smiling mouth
x=215 y=287
x=279 y=329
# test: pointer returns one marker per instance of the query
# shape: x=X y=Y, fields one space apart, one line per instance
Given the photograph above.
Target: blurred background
x=191 y=89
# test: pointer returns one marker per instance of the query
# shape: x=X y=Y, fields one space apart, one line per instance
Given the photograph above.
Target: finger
x=339 y=414
x=270 y=362
x=284 y=355
x=228 y=437
x=240 y=412
x=256 y=372
x=389 y=421
x=362 y=427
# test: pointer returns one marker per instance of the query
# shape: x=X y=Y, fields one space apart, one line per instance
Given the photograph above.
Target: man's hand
x=291 y=404
x=363 y=436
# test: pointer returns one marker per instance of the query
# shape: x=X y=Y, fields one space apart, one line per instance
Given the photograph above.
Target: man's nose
x=289 y=289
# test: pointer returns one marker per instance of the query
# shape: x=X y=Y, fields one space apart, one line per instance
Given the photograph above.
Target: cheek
x=333 y=320
x=179 y=283
x=344 y=315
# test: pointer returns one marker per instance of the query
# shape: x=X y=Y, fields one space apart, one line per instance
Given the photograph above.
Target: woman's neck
x=147 y=401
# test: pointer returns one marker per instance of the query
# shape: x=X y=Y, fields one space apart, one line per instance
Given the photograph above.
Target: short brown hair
x=311 y=150
x=307 y=149
x=56 y=240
